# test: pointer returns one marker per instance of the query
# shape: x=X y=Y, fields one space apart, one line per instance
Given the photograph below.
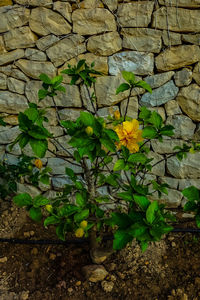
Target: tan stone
x=6 y=2
x=44 y=21
x=3 y=81
x=171 y=38
x=33 y=69
x=70 y=114
x=181 y=3
x=105 y=44
x=11 y=70
x=34 y=54
x=66 y=49
x=196 y=73
x=173 y=199
x=183 y=77
x=91 y=4
x=191 y=38
x=31 y=91
x=132 y=110
x=189 y=100
x=177 y=57
x=93 y=21
x=21 y=37
x=64 y=8
x=15 y=85
x=166 y=146
x=142 y=39
x=12 y=103
x=69 y=99
x=111 y=4
x=183 y=126
x=176 y=19
x=137 y=14
x=2 y=46
x=46 y=3
x=45 y=42
x=11 y=56
x=172 y=108
x=15 y=17
x=11 y=120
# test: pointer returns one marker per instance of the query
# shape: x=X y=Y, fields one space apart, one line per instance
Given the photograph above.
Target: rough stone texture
x=111 y=4
x=8 y=57
x=171 y=38
x=184 y=127
x=139 y=63
x=25 y=188
x=16 y=16
x=172 y=182
x=8 y=135
x=11 y=70
x=159 y=169
x=104 y=112
x=21 y=37
x=183 y=77
x=47 y=41
x=196 y=73
x=12 y=120
x=181 y=3
x=59 y=182
x=94 y=273
x=2 y=46
x=160 y=96
x=173 y=199
x=44 y=21
x=187 y=168
x=34 y=54
x=6 y=2
x=35 y=2
x=135 y=14
x=93 y=21
x=31 y=91
x=184 y=183
x=166 y=146
x=33 y=69
x=64 y=8
x=69 y=114
x=3 y=81
x=66 y=49
x=132 y=111
x=191 y=38
x=176 y=19
x=106 y=90
x=69 y=99
x=157 y=80
x=177 y=57
x=105 y=44
x=172 y=108
x=86 y=98
x=58 y=166
x=142 y=39
x=189 y=100
x=15 y=85
x=12 y=103
x=91 y=4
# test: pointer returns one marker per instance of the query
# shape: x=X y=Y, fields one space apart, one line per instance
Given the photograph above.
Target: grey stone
x=139 y=63
x=12 y=71
x=104 y=112
x=158 y=169
x=69 y=99
x=184 y=183
x=70 y=114
x=187 y=168
x=94 y=273
x=12 y=103
x=8 y=135
x=25 y=188
x=31 y=91
x=11 y=159
x=34 y=54
x=173 y=199
x=58 y=166
x=3 y=81
x=166 y=146
x=172 y=108
x=15 y=85
x=183 y=77
x=16 y=150
x=11 y=56
x=158 y=80
x=59 y=182
x=160 y=95
x=172 y=182
x=66 y=49
x=47 y=41
x=184 y=127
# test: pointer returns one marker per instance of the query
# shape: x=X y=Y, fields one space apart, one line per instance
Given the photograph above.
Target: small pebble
x=78 y=283
x=3 y=259
x=34 y=251
x=52 y=256
x=70 y=290
x=173 y=244
x=107 y=286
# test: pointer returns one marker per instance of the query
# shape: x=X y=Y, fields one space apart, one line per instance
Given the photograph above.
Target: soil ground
x=168 y=270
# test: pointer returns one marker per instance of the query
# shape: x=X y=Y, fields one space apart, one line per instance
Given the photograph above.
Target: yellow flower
x=83 y=224
x=129 y=135
x=49 y=208
x=117 y=115
x=38 y=163
x=89 y=130
x=79 y=232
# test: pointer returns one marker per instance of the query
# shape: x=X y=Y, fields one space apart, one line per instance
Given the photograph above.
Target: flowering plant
x=110 y=189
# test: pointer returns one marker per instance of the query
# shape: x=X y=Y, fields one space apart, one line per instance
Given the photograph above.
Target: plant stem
x=127 y=104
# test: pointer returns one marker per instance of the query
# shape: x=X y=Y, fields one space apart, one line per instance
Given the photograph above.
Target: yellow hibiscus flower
x=129 y=135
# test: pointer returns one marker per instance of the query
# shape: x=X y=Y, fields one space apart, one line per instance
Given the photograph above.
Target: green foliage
x=193 y=203
x=50 y=86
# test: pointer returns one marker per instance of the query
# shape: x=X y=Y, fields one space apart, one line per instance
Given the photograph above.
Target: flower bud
x=38 y=164
x=83 y=224
x=89 y=130
x=49 y=208
x=79 y=232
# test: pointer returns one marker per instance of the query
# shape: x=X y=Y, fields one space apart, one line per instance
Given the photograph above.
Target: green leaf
x=137 y=230
x=142 y=201
x=87 y=118
x=23 y=199
x=60 y=231
x=70 y=173
x=108 y=143
x=84 y=214
x=144 y=246
x=38 y=132
x=24 y=139
x=144 y=85
x=119 y=165
x=39 y=147
x=197 y=219
x=32 y=113
x=121 y=239
x=24 y=122
x=149 y=132
x=45 y=78
x=2 y=123
x=80 y=64
x=190 y=206
x=80 y=199
x=151 y=210
x=68 y=210
x=51 y=220
x=35 y=214
x=42 y=94
x=137 y=158
x=57 y=80
x=191 y=193
x=145 y=113
x=40 y=201
x=167 y=130
x=128 y=76
x=123 y=87
x=156 y=120
x=120 y=219
x=45 y=179
x=126 y=196
x=112 y=134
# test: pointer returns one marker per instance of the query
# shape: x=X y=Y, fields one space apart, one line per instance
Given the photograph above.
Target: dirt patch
x=168 y=270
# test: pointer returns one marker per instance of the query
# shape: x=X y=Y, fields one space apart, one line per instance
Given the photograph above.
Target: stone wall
x=157 y=40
